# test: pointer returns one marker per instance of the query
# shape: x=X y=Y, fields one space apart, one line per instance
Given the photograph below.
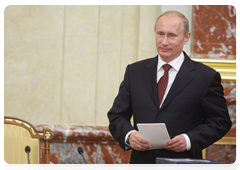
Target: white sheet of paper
x=156 y=134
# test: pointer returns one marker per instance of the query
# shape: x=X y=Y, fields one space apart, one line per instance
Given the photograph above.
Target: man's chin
x=164 y=54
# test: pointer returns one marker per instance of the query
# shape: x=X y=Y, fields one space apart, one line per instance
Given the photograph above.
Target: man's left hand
x=177 y=144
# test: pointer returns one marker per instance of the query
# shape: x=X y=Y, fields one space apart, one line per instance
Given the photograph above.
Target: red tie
x=162 y=83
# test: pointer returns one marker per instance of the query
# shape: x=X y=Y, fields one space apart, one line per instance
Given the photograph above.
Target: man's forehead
x=171 y=17
x=169 y=24
x=170 y=21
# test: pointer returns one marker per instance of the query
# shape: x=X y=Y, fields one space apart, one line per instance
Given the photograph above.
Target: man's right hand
x=137 y=142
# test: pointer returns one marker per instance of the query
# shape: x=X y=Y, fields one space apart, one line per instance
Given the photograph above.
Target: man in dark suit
x=192 y=103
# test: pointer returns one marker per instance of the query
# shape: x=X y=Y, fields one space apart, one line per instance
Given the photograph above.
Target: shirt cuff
x=128 y=135
x=188 y=142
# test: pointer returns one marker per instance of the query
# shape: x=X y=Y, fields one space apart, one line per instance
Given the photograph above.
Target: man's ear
x=187 y=37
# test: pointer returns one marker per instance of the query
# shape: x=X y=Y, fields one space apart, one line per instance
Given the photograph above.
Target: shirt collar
x=176 y=63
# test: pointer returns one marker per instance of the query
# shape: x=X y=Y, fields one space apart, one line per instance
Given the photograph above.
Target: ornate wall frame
x=226 y=67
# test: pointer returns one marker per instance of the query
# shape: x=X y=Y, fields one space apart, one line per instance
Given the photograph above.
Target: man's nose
x=165 y=40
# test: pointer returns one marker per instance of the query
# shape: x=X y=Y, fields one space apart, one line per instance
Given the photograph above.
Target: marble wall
x=214 y=33
x=98 y=145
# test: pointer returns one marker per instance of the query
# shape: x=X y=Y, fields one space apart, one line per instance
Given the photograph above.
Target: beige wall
x=64 y=64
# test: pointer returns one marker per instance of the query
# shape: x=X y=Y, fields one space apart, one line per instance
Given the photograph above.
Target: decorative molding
x=46 y=134
x=227 y=68
x=226 y=141
x=80 y=134
x=204 y=154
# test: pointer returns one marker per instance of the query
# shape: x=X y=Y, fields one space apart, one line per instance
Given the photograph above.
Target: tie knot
x=166 y=67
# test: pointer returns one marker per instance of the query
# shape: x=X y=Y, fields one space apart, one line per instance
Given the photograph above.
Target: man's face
x=170 y=37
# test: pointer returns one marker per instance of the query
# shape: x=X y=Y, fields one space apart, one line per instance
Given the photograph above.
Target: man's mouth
x=164 y=49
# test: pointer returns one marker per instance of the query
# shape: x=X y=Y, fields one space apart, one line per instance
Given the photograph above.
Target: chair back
x=17 y=135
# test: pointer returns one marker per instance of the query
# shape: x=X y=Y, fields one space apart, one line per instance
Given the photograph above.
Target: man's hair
x=185 y=20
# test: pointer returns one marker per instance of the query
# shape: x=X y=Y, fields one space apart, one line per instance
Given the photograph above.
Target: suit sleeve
x=217 y=121
x=120 y=114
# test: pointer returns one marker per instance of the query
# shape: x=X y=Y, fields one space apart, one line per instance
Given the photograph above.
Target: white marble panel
x=109 y=53
x=33 y=62
x=129 y=38
x=146 y=41
x=80 y=64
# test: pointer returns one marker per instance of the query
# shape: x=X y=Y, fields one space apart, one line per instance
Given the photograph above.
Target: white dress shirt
x=176 y=64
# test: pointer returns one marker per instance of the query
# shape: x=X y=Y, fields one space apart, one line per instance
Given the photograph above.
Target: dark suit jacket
x=195 y=105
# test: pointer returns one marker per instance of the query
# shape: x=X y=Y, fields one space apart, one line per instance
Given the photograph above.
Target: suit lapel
x=182 y=79
x=150 y=79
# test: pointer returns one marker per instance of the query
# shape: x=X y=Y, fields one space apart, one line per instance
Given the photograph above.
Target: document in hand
x=156 y=134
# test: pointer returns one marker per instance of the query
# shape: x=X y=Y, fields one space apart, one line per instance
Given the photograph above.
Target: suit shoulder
x=144 y=62
x=199 y=66
x=205 y=72
x=203 y=67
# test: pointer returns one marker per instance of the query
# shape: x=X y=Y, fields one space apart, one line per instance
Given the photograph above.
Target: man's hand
x=137 y=142
x=177 y=144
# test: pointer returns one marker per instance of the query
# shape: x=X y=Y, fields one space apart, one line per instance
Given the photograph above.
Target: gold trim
x=204 y=153
x=223 y=141
x=24 y=124
x=227 y=68
x=226 y=141
x=47 y=133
